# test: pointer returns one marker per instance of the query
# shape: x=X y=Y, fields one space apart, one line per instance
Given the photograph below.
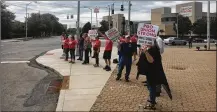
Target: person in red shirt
x=107 y=53
x=62 y=39
x=96 y=48
x=134 y=45
x=66 y=48
x=72 y=44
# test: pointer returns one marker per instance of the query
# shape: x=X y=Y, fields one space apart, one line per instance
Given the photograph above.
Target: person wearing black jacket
x=126 y=49
x=150 y=65
x=81 y=47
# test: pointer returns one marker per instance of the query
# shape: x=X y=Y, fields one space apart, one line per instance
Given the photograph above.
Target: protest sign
x=147 y=33
x=113 y=34
x=92 y=34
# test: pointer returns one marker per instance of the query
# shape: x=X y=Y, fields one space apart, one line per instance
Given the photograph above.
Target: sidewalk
x=85 y=81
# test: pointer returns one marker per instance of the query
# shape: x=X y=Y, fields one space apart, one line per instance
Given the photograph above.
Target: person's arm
x=148 y=56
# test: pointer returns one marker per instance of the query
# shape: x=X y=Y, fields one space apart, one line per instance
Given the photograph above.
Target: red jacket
x=66 y=43
x=72 y=44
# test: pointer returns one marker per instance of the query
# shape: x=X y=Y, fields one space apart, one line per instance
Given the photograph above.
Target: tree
x=184 y=25
x=86 y=28
x=104 y=26
x=17 y=29
x=213 y=27
x=200 y=27
x=72 y=31
x=7 y=18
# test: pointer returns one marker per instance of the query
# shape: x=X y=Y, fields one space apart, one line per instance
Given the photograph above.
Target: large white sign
x=147 y=33
x=96 y=10
x=186 y=11
x=92 y=33
x=113 y=34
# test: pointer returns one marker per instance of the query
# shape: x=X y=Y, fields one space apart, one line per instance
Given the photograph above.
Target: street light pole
x=109 y=21
x=26 y=21
x=129 y=16
x=91 y=17
x=78 y=26
x=177 y=26
x=208 y=26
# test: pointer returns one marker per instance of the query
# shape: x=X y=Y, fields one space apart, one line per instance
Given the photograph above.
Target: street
x=24 y=87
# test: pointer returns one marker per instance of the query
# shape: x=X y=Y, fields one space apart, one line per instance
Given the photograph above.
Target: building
x=165 y=19
x=117 y=19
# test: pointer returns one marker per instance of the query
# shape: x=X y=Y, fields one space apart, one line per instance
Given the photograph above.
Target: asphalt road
x=24 y=87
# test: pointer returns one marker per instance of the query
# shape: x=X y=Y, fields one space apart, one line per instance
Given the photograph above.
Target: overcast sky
x=140 y=9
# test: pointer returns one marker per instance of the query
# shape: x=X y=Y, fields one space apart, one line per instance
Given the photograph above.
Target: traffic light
x=71 y=16
x=122 y=7
x=67 y=16
x=113 y=11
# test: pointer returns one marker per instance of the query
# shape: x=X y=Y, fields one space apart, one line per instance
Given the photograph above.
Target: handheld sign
x=92 y=34
x=147 y=33
x=113 y=34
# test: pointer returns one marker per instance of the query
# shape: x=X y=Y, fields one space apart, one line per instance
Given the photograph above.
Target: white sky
x=140 y=9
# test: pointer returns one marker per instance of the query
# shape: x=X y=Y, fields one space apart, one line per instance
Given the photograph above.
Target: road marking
x=5 y=62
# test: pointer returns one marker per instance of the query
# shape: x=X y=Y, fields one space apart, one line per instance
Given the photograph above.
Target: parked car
x=198 y=40
x=175 y=41
x=211 y=40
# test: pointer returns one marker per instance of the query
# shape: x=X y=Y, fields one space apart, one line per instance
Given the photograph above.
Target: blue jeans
x=152 y=93
x=119 y=57
x=125 y=61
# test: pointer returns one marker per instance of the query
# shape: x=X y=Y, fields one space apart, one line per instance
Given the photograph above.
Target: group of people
x=149 y=63
x=85 y=45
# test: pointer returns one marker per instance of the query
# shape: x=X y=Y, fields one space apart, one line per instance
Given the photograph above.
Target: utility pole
x=26 y=21
x=208 y=26
x=177 y=28
x=78 y=26
x=109 y=19
x=129 y=16
x=91 y=17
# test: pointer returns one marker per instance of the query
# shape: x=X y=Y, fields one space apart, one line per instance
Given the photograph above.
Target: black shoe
x=127 y=80
x=108 y=69
x=157 y=94
x=79 y=59
x=118 y=78
x=144 y=82
x=96 y=65
x=84 y=63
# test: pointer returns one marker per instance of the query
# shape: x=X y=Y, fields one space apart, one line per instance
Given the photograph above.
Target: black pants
x=66 y=50
x=86 y=59
x=96 y=56
x=190 y=44
x=90 y=51
x=72 y=53
x=81 y=51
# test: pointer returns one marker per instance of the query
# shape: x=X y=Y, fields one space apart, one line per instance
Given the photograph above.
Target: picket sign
x=147 y=33
x=92 y=34
x=113 y=34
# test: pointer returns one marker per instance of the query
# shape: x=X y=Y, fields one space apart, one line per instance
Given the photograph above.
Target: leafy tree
x=72 y=31
x=18 y=29
x=184 y=25
x=104 y=26
x=6 y=21
x=86 y=28
x=213 y=27
x=200 y=27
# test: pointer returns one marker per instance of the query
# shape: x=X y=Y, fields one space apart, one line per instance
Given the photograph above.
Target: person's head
x=73 y=37
x=97 y=38
x=70 y=36
x=127 y=39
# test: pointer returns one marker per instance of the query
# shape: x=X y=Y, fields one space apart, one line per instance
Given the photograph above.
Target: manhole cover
x=178 y=67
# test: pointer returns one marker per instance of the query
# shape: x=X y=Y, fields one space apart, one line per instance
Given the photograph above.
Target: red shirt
x=66 y=43
x=108 y=45
x=133 y=39
x=97 y=43
x=72 y=44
